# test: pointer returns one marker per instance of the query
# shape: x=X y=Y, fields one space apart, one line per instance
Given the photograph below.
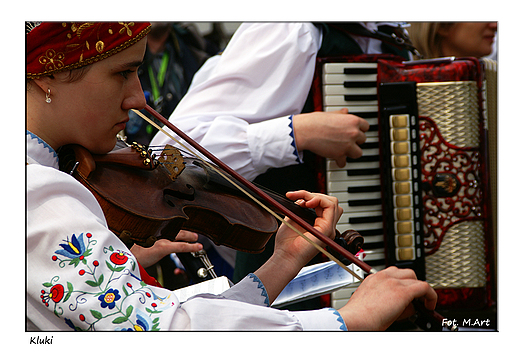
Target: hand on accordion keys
x=336 y=135
x=385 y=297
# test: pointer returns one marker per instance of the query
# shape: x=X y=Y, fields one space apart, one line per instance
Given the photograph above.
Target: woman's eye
x=125 y=73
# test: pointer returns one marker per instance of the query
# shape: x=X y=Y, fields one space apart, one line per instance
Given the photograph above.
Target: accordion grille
x=453 y=106
x=461 y=259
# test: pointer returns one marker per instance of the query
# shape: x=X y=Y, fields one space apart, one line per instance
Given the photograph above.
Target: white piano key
x=359 y=196
x=339 y=78
x=339 y=89
x=340 y=176
x=374 y=254
x=352 y=165
x=374 y=238
x=362 y=165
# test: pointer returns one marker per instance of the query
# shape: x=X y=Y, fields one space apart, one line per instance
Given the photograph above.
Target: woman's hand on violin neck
x=163 y=247
x=291 y=245
x=385 y=297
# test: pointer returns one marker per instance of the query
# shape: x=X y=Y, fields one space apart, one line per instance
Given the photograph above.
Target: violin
x=145 y=198
x=157 y=199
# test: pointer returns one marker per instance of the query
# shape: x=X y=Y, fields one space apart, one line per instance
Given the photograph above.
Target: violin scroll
x=351 y=240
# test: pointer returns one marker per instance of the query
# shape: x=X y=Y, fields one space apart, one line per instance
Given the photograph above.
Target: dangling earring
x=48 y=96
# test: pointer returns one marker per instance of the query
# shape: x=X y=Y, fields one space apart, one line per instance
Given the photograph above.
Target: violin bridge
x=172 y=160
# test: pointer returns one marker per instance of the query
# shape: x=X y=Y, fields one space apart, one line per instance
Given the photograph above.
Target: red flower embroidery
x=118 y=258
x=56 y=293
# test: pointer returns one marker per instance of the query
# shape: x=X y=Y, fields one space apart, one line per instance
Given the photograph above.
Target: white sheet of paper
x=316 y=280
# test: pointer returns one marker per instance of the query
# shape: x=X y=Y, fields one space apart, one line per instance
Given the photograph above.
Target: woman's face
x=463 y=39
x=92 y=110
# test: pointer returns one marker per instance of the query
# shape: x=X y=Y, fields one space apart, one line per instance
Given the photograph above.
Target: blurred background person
x=459 y=39
x=174 y=52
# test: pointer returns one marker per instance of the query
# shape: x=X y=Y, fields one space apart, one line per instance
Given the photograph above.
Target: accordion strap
x=397 y=38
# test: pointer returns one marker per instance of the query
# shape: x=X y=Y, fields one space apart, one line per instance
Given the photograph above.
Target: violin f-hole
x=188 y=194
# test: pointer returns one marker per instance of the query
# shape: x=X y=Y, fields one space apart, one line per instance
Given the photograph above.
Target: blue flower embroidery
x=144 y=323
x=74 y=248
x=109 y=298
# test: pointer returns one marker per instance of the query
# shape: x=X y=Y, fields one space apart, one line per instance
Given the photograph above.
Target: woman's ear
x=44 y=83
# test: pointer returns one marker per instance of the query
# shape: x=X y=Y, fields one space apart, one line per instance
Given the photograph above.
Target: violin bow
x=419 y=306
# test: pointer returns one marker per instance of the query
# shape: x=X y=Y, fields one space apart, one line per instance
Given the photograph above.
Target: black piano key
x=378 y=262
x=364 y=202
x=359 y=84
x=365 y=219
x=363 y=172
x=363 y=189
x=363 y=159
x=373 y=128
x=365 y=115
x=373 y=245
x=370 y=145
x=372 y=232
x=359 y=71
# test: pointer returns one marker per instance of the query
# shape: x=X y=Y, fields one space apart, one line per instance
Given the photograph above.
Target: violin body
x=142 y=200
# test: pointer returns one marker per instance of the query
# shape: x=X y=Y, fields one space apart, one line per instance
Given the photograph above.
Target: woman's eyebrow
x=130 y=64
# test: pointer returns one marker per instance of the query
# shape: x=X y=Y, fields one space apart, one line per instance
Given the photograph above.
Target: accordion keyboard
x=358 y=184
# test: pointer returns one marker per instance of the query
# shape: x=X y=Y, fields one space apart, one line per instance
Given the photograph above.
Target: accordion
x=420 y=194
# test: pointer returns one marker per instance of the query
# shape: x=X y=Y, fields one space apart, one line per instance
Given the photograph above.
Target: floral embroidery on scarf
x=110 y=293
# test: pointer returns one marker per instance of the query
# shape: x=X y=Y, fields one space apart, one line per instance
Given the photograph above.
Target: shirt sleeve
x=81 y=277
x=235 y=315
x=241 y=102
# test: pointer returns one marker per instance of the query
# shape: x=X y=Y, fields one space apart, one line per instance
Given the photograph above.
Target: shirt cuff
x=250 y=290
x=293 y=143
x=272 y=143
x=323 y=319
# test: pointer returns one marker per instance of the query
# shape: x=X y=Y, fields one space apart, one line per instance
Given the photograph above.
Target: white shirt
x=240 y=104
x=241 y=109
x=80 y=276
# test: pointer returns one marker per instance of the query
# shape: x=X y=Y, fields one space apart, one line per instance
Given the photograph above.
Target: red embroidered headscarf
x=53 y=47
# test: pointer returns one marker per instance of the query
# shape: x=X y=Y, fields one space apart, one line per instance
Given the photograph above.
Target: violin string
x=159 y=148
x=318 y=247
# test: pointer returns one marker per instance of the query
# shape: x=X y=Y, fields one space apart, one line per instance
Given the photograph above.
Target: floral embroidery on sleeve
x=108 y=289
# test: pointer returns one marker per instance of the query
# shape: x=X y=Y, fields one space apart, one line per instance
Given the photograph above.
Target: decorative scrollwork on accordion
x=451 y=179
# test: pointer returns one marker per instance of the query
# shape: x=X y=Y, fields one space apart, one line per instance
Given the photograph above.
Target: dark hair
x=73 y=75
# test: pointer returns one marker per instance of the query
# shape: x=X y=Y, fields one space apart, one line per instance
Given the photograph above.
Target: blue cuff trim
x=293 y=143
x=342 y=327
x=260 y=286
x=41 y=141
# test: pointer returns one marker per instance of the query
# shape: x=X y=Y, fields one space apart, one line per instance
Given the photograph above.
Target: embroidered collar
x=39 y=152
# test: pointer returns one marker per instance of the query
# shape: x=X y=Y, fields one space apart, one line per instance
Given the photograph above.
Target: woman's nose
x=135 y=99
